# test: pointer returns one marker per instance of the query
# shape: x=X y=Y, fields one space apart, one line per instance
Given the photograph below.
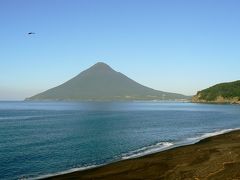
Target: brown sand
x=212 y=158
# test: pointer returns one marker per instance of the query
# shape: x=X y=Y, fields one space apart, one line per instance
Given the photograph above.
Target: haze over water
x=50 y=137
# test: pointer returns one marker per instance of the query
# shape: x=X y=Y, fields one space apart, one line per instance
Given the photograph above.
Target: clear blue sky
x=177 y=46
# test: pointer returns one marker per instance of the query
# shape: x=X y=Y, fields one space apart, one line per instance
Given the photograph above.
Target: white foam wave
x=15 y=117
x=28 y=117
x=64 y=172
x=210 y=134
x=146 y=150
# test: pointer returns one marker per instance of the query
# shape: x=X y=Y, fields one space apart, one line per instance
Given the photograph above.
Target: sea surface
x=40 y=139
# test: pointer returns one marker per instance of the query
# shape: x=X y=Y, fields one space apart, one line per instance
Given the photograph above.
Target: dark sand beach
x=216 y=157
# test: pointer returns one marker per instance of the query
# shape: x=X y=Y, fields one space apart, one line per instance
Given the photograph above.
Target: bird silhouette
x=31 y=33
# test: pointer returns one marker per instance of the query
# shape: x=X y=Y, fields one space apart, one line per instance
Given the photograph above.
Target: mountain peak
x=101 y=66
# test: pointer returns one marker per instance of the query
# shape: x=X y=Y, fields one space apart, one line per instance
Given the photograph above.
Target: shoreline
x=119 y=168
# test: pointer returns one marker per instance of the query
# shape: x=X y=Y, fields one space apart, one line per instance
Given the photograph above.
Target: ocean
x=40 y=139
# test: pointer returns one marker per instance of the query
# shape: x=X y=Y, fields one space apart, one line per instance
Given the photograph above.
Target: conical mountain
x=100 y=82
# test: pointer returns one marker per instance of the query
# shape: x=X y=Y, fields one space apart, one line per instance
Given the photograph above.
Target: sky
x=175 y=46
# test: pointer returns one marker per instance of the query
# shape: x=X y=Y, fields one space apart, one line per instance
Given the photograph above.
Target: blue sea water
x=46 y=138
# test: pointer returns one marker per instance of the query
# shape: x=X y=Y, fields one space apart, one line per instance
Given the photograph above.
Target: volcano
x=101 y=83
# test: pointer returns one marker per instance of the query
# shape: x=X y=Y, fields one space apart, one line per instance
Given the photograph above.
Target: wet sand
x=216 y=157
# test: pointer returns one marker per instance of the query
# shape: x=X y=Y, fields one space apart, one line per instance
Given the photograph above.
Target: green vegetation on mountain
x=220 y=93
x=100 y=82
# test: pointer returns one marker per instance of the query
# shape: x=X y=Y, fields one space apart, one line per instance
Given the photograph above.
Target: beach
x=216 y=157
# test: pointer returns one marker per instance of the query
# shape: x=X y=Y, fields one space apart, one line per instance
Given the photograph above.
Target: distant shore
x=216 y=157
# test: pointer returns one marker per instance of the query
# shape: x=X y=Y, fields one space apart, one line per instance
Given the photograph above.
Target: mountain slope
x=101 y=82
x=220 y=93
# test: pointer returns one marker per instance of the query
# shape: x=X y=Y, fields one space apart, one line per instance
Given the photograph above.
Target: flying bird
x=31 y=33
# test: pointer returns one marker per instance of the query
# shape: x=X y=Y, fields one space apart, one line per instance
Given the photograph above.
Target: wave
x=211 y=134
x=64 y=172
x=133 y=154
x=167 y=145
x=161 y=146
x=29 y=117
x=147 y=150
x=15 y=117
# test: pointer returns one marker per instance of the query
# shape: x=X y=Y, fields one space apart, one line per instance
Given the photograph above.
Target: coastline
x=208 y=158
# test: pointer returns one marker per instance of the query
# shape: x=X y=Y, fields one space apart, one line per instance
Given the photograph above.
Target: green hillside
x=224 y=92
x=101 y=82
